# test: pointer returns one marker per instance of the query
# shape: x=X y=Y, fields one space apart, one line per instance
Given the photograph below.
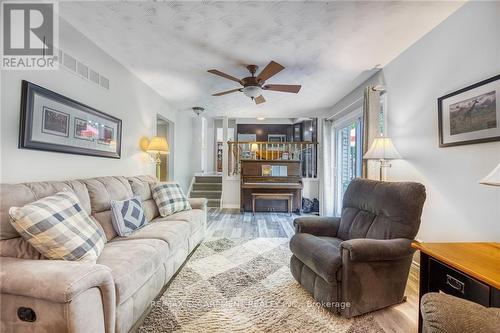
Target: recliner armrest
x=446 y=313
x=318 y=226
x=198 y=203
x=60 y=281
x=53 y=280
x=364 y=249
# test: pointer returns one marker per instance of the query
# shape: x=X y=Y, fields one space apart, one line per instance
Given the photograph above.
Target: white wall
x=311 y=188
x=462 y=50
x=128 y=99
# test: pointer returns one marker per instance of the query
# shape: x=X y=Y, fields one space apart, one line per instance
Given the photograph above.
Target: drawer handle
x=455 y=283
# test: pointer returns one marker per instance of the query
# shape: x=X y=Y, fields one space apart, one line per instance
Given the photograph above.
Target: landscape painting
x=470 y=115
x=473 y=114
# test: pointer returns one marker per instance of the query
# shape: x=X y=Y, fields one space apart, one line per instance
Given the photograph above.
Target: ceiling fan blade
x=224 y=75
x=271 y=69
x=289 y=88
x=259 y=99
x=226 y=92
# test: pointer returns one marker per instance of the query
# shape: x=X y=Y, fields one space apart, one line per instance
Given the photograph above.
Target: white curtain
x=371 y=110
x=326 y=172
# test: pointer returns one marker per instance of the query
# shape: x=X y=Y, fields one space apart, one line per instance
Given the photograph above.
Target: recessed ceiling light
x=261 y=118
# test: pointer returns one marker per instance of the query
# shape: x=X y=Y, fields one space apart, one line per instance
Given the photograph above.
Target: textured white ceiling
x=328 y=47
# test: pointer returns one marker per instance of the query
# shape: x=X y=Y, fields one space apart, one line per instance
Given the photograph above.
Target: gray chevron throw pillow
x=127 y=215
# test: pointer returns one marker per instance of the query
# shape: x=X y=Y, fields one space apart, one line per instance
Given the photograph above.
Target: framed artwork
x=52 y=122
x=470 y=115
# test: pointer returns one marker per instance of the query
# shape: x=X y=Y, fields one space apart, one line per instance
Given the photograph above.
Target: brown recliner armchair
x=360 y=262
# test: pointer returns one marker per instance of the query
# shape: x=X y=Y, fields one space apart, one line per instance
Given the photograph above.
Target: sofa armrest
x=198 y=203
x=446 y=313
x=59 y=281
x=364 y=249
x=53 y=280
x=318 y=226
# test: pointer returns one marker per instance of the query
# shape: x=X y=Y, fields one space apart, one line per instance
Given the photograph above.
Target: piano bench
x=273 y=196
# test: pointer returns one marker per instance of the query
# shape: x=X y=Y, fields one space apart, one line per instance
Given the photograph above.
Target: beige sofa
x=109 y=296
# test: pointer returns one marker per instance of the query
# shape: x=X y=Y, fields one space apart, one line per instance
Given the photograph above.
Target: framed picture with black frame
x=470 y=115
x=53 y=122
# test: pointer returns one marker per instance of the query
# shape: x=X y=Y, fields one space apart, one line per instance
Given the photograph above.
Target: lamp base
x=158 y=167
x=383 y=164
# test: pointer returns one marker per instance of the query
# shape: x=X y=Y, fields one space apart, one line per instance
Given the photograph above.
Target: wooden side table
x=466 y=270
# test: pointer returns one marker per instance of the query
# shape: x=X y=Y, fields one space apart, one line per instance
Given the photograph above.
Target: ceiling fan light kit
x=253 y=86
x=252 y=91
x=198 y=110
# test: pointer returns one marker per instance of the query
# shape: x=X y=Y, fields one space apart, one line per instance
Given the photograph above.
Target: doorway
x=349 y=156
x=165 y=128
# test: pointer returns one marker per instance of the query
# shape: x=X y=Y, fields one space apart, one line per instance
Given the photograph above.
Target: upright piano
x=271 y=176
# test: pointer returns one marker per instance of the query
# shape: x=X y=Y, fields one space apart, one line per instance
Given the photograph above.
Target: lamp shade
x=493 y=178
x=382 y=149
x=254 y=147
x=158 y=145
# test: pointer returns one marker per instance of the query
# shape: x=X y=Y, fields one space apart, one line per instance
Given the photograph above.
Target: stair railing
x=306 y=152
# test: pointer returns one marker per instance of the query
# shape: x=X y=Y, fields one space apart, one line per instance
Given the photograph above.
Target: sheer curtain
x=371 y=111
x=326 y=172
x=362 y=96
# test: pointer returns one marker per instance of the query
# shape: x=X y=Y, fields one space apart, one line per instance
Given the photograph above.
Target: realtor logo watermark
x=30 y=35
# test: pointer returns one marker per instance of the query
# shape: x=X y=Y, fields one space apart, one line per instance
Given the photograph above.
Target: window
x=220 y=136
x=349 y=156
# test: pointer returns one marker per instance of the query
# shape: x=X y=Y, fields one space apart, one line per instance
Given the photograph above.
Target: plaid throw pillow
x=127 y=215
x=169 y=198
x=59 y=228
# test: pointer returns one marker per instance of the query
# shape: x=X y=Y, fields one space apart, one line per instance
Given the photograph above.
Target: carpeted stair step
x=206 y=194
x=208 y=179
x=207 y=186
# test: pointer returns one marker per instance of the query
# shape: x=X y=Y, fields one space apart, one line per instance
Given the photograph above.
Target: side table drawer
x=448 y=280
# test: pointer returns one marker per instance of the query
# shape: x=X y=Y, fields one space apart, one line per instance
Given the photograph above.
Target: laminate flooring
x=230 y=223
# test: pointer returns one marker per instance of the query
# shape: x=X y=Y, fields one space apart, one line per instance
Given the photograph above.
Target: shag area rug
x=243 y=286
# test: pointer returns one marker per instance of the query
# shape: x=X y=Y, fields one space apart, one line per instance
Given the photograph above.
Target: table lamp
x=158 y=146
x=382 y=149
x=493 y=178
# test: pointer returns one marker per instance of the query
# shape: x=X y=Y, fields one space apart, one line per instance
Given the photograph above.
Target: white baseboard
x=229 y=206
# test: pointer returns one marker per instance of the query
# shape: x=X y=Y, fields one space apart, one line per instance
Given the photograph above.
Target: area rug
x=243 y=286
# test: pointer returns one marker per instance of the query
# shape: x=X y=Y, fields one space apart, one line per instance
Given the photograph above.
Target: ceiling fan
x=254 y=85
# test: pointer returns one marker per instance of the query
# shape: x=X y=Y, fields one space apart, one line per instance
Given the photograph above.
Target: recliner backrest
x=381 y=210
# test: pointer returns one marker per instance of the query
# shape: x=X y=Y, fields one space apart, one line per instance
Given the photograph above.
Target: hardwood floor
x=230 y=223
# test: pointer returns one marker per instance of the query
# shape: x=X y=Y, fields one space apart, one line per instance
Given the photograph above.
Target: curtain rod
x=345 y=108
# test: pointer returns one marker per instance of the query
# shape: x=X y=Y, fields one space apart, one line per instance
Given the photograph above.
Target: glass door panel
x=349 y=157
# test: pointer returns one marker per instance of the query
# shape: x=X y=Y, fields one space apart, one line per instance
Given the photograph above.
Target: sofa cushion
x=381 y=210
x=170 y=199
x=59 y=228
x=174 y=233
x=319 y=254
x=101 y=191
x=127 y=215
x=18 y=195
x=195 y=218
x=141 y=186
x=132 y=263
x=19 y=248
